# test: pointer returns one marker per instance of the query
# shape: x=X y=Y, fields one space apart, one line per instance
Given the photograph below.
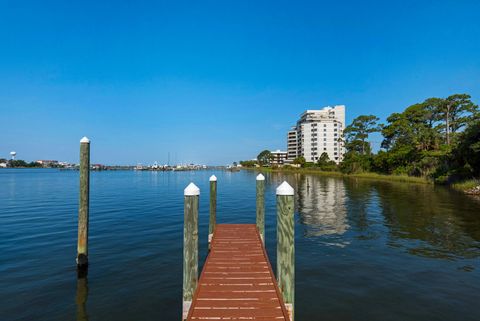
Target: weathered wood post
x=213 y=209
x=261 y=206
x=286 y=246
x=190 y=246
x=84 y=204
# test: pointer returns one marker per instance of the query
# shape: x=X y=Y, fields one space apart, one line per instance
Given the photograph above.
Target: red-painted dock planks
x=237 y=281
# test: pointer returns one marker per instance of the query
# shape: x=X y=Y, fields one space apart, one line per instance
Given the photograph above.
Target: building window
x=324 y=148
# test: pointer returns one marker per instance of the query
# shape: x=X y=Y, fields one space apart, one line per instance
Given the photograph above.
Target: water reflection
x=423 y=220
x=81 y=296
x=442 y=221
x=322 y=205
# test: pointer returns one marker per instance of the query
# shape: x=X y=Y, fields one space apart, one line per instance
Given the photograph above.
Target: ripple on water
x=365 y=250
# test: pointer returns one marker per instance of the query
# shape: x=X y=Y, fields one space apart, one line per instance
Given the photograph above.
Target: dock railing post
x=286 y=246
x=84 y=204
x=190 y=246
x=261 y=206
x=213 y=209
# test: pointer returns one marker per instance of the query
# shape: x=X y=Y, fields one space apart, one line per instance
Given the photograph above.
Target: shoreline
x=469 y=187
x=371 y=176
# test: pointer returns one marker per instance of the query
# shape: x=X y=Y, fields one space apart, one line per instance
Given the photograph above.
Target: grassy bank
x=372 y=176
x=469 y=186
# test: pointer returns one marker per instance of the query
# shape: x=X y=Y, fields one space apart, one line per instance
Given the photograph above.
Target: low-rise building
x=47 y=163
x=278 y=157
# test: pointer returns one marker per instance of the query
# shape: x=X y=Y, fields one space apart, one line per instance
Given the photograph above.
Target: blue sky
x=213 y=82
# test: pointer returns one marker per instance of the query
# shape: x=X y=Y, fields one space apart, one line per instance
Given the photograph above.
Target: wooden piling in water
x=213 y=209
x=261 y=206
x=286 y=246
x=84 y=203
x=190 y=246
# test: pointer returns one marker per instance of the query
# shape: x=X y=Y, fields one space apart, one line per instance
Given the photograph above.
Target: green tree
x=411 y=140
x=248 y=163
x=354 y=162
x=456 y=112
x=356 y=134
x=358 y=155
x=300 y=161
x=323 y=159
x=467 y=153
x=17 y=163
x=264 y=158
x=324 y=163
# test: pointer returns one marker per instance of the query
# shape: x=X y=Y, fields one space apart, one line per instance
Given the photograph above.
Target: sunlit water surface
x=365 y=250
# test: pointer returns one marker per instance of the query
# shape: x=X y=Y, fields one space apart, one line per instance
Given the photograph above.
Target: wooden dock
x=237 y=281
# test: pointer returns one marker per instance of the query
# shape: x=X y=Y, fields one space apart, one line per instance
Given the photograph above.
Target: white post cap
x=260 y=177
x=191 y=190
x=85 y=140
x=213 y=178
x=285 y=189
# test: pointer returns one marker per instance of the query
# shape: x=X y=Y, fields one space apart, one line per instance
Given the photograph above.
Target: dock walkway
x=237 y=281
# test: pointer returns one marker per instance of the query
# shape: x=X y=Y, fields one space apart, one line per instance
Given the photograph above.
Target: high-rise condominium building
x=318 y=132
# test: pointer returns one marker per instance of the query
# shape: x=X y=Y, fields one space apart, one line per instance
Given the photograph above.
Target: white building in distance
x=318 y=132
x=278 y=157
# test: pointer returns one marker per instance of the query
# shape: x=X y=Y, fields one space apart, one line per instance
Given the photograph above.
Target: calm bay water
x=365 y=250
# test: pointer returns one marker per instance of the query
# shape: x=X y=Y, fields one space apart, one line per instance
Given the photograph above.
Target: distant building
x=3 y=165
x=97 y=167
x=318 y=132
x=48 y=163
x=292 y=144
x=278 y=157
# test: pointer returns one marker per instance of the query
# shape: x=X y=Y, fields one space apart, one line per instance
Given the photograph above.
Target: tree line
x=438 y=138
x=18 y=163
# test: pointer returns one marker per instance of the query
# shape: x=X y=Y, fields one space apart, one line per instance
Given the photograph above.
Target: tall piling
x=213 y=209
x=84 y=203
x=190 y=246
x=286 y=246
x=261 y=206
